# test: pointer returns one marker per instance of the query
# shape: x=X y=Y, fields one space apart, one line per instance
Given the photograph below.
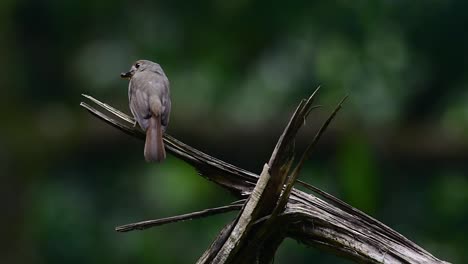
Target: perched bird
x=150 y=103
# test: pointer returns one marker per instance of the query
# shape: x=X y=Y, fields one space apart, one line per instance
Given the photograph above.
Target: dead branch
x=274 y=209
x=174 y=219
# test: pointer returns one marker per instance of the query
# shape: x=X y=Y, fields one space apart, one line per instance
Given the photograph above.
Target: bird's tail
x=154 y=145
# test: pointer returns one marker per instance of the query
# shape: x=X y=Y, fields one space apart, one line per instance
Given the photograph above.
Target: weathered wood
x=324 y=223
x=174 y=219
x=228 y=253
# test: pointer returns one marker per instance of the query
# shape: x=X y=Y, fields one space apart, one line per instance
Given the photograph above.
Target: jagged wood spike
x=295 y=174
x=320 y=132
x=292 y=127
x=283 y=155
x=173 y=219
x=266 y=231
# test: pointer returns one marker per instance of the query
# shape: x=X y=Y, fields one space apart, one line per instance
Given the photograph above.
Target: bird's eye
x=137 y=65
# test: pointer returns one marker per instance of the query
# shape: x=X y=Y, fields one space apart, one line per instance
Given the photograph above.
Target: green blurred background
x=397 y=151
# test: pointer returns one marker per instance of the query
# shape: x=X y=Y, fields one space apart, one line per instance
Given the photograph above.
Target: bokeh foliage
x=398 y=151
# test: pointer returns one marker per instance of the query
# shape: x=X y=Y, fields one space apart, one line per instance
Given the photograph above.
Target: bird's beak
x=126 y=75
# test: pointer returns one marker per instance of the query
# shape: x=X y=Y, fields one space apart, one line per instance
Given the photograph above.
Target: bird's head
x=140 y=66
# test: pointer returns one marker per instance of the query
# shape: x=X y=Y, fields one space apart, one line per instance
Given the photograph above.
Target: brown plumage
x=154 y=146
x=150 y=104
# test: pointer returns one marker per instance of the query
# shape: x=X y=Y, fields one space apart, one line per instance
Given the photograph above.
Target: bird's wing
x=139 y=103
x=166 y=103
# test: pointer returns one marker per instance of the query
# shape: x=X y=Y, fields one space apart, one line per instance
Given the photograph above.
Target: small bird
x=150 y=103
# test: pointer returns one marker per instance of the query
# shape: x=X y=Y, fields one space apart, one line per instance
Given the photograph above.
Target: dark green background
x=397 y=151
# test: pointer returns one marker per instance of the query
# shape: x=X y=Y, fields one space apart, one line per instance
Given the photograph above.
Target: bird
x=150 y=104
